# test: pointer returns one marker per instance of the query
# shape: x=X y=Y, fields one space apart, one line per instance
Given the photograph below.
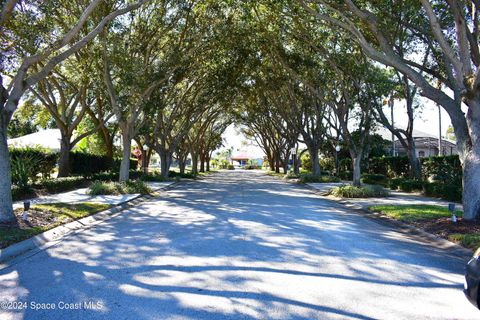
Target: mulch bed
x=36 y=218
x=444 y=227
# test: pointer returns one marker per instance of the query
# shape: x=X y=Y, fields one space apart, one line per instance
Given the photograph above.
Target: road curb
x=37 y=242
x=433 y=239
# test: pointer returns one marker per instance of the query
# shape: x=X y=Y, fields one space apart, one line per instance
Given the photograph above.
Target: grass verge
x=410 y=213
x=43 y=217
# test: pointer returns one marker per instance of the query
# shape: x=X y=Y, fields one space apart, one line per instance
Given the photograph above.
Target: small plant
x=116 y=188
x=373 y=178
x=368 y=191
x=230 y=167
x=23 y=170
x=311 y=178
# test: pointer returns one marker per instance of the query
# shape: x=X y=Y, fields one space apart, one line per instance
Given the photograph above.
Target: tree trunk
x=165 y=160
x=277 y=164
x=64 y=160
x=125 y=164
x=6 y=205
x=194 y=163
x=415 y=165
x=471 y=167
x=182 y=164
x=315 y=161
x=202 y=162
x=207 y=160
x=271 y=163
x=357 y=171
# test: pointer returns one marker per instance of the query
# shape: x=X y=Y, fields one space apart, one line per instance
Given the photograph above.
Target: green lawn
x=469 y=240
x=410 y=213
x=49 y=216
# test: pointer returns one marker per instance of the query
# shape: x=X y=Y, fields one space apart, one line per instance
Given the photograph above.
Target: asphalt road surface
x=237 y=245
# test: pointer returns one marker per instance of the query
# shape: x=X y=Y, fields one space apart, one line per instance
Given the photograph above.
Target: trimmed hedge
x=311 y=178
x=61 y=184
x=448 y=192
x=370 y=178
x=87 y=164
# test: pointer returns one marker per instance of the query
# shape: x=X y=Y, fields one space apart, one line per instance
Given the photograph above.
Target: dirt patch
x=444 y=226
x=36 y=218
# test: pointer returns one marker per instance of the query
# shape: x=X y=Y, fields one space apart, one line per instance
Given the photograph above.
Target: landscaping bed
x=436 y=220
x=43 y=217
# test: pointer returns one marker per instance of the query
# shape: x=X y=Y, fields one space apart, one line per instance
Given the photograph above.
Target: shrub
x=392 y=167
x=446 y=169
x=39 y=160
x=185 y=175
x=155 y=177
x=410 y=185
x=350 y=191
x=345 y=175
x=19 y=193
x=327 y=164
x=345 y=164
x=115 y=188
x=373 y=178
x=394 y=183
x=23 y=170
x=448 y=192
x=87 y=164
x=136 y=186
x=230 y=167
x=311 y=178
x=61 y=184
x=306 y=161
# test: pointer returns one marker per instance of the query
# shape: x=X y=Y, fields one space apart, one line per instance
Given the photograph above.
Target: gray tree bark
x=6 y=205
x=125 y=164
x=357 y=170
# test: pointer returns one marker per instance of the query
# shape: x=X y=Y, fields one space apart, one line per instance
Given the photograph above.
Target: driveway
x=237 y=245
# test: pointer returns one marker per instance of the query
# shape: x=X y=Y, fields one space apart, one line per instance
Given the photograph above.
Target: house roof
x=49 y=139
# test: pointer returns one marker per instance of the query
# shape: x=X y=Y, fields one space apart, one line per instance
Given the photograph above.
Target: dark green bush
x=40 y=161
x=394 y=183
x=448 y=192
x=19 y=193
x=153 y=177
x=410 y=185
x=61 y=184
x=185 y=175
x=230 y=167
x=447 y=169
x=87 y=164
x=345 y=175
x=110 y=187
x=311 y=178
x=372 y=178
x=392 y=167
x=369 y=191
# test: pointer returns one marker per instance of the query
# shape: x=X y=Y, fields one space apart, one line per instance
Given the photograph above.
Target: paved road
x=238 y=245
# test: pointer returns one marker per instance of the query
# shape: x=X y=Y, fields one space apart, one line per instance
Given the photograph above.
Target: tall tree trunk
x=277 y=164
x=125 y=164
x=182 y=163
x=315 y=161
x=202 y=162
x=64 y=160
x=415 y=164
x=207 y=160
x=357 y=170
x=471 y=166
x=271 y=163
x=165 y=160
x=6 y=204
x=194 y=163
